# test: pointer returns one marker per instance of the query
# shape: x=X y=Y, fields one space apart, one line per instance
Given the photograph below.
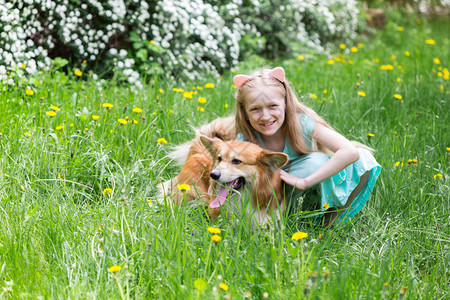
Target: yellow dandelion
x=161 y=141
x=400 y=28
x=122 y=121
x=437 y=176
x=199 y=88
x=226 y=105
x=376 y=60
x=398 y=96
x=224 y=286
x=59 y=127
x=216 y=238
x=161 y=91
x=107 y=105
x=134 y=121
x=399 y=163
x=200 y=108
x=27 y=133
x=51 y=113
x=209 y=86
x=360 y=45
x=361 y=93
x=430 y=42
x=301 y=57
x=149 y=202
x=170 y=111
x=448 y=149
x=71 y=125
x=393 y=57
x=24 y=66
x=183 y=187
x=29 y=92
x=387 y=67
x=114 y=269
x=407 y=53
x=78 y=73
x=201 y=100
x=437 y=61
x=370 y=135
x=107 y=192
x=137 y=110
x=95 y=117
x=330 y=61
x=342 y=46
x=314 y=96
x=55 y=108
x=299 y=235
x=354 y=49
x=399 y=79
x=214 y=230
x=326 y=206
x=188 y=95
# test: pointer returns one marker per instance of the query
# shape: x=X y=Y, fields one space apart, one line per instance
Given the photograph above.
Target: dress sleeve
x=240 y=137
x=307 y=123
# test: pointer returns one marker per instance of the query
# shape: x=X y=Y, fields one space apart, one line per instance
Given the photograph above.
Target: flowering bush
x=177 y=37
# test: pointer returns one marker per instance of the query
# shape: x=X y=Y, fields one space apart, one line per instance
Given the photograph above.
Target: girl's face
x=265 y=108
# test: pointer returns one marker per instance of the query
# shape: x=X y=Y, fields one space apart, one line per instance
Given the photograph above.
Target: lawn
x=81 y=157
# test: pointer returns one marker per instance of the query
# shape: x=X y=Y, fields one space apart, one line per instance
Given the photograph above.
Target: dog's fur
x=242 y=168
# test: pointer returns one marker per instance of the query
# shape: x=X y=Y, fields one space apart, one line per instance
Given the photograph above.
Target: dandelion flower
x=183 y=187
x=342 y=46
x=387 y=67
x=29 y=92
x=200 y=108
x=226 y=105
x=437 y=61
x=354 y=49
x=59 y=127
x=299 y=235
x=301 y=57
x=78 y=73
x=107 y=192
x=330 y=61
x=188 y=95
x=137 y=110
x=314 y=96
x=326 y=206
x=407 y=53
x=214 y=230
x=400 y=28
x=51 y=113
x=370 y=135
x=114 y=269
x=216 y=238
x=209 y=86
x=199 y=88
x=448 y=149
x=437 y=176
x=202 y=100
x=223 y=286
x=107 y=105
x=55 y=108
x=95 y=117
x=27 y=133
x=399 y=79
x=361 y=93
x=398 y=96
x=360 y=45
x=430 y=42
x=24 y=66
x=122 y=121
x=161 y=91
x=161 y=141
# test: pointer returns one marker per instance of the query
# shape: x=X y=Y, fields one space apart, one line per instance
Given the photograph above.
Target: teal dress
x=334 y=191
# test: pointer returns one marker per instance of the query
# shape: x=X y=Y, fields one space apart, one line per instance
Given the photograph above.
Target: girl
x=269 y=114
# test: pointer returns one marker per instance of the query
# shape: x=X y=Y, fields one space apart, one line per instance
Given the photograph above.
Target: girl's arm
x=345 y=153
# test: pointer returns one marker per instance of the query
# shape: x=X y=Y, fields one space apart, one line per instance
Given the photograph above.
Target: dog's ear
x=210 y=144
x=273 y=160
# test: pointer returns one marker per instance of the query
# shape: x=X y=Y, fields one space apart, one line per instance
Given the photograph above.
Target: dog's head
x=236 y=163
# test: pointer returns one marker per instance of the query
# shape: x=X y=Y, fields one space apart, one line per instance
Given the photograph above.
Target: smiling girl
x=269 y=114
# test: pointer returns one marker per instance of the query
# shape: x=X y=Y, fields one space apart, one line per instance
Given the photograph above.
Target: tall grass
x=61 y=231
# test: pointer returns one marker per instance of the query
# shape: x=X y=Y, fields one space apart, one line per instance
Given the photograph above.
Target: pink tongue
x=221 y=196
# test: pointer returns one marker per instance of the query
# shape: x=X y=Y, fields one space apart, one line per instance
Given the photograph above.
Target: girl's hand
x=297 y=183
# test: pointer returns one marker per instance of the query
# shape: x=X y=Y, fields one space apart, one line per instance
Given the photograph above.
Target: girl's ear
x=273 y=160
x=210 y=144
x=278 y=73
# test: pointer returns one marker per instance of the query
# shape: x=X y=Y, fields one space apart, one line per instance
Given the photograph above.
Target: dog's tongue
x=221 y=196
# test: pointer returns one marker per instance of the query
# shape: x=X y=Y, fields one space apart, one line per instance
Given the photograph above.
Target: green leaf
x=59 y=62
x=142 y=55
x=200 y=285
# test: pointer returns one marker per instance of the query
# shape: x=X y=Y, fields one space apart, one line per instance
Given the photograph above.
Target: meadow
x=80 y=160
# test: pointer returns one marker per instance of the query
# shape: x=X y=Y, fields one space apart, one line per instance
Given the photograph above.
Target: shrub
x=176 y=37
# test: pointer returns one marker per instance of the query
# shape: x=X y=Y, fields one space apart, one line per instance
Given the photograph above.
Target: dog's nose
x=215 y=175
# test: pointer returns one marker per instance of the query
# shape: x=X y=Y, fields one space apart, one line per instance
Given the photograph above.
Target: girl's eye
x=219 y=158
x=236 y=161
x=273 y=105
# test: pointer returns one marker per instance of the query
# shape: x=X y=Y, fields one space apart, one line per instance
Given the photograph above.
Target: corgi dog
x=234 y=175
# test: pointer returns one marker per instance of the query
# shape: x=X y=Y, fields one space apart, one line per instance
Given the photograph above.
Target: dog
x=231 y=174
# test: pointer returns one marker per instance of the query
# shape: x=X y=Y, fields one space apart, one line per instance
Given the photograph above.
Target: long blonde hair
x=292 y=126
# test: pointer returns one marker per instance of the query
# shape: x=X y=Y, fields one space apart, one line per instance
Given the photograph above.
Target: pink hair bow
x=277 y=73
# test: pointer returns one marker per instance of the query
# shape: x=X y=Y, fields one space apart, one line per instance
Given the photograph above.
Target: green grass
x=60 y=234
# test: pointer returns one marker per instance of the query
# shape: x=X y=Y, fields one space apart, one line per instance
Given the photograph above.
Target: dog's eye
x=236 y=161
x=219 y=158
